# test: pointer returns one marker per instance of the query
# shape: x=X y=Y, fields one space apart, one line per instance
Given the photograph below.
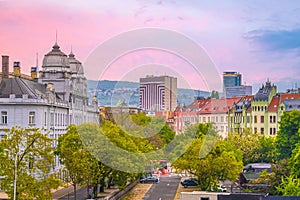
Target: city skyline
x=257 y=39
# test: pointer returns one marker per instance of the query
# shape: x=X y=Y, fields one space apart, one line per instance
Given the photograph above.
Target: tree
x=214 y=94
x=294 y=162
x=219 y=162
x=264 y=151
x=27 y=157
x=290 y=186
x=109 y=163
x=73 y=156
x=289 y=134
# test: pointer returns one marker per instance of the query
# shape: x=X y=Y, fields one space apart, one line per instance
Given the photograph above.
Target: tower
x=158 y=93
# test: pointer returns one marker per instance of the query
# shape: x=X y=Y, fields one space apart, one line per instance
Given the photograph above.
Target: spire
x=56 y=47
x=71 y=55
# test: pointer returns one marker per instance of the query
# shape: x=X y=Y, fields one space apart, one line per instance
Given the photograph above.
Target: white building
x=52 y=101
x=158 y=93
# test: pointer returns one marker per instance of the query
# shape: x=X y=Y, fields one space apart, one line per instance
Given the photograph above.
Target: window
x=52 y=119
x=255 y=119
x=274 y=131
x=222 y=119
x=274 y=119
x=3 y=117
x=258 y=108
x=31 y=119
x=255 y=130
x=216 y=118
x=208 y=119
x=271 y=119
x=204 y=119
x=262 y=131
x=204 y=198
x=262 y=119
x=271 y=131
x=45 y=119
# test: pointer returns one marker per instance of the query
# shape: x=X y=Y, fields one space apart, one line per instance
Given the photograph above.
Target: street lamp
x=15 y=173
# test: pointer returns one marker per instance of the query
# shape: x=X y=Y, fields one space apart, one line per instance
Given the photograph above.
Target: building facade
x=232 y=79
x=238 y=91
x=52 y=101
x=158 y=93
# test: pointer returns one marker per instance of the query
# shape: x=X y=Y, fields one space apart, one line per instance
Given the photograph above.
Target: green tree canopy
x=209 y=158
x=289 y=134
x=27 y=156
x=73 y=156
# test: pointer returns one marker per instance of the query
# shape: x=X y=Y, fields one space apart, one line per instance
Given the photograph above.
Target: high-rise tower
x=158 y=93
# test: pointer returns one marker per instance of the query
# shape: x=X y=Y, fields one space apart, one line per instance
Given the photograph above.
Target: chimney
x=5 y=66
x=50 y=86
x=17 y=69
x=34 y=72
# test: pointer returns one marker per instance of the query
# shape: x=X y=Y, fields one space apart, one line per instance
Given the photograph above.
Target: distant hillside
x=110 y=93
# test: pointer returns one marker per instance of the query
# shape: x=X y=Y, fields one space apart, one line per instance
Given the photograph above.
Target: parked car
x=149 y=179
x=218 y=188
x=189 y=182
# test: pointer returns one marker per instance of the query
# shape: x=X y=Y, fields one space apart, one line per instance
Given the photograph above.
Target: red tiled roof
x=219 y=105
x=274 y=104
x=289 y=96
x=199 y=103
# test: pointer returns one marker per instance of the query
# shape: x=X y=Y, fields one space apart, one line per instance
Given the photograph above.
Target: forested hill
x=110 y=93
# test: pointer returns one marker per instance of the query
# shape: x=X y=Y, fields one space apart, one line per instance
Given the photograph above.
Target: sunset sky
x=260 y=39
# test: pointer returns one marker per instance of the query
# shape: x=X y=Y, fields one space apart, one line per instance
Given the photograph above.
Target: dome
x=75 y=65
x=56 y=58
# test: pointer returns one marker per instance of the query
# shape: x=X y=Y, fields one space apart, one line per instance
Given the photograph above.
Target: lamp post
x=15 y=174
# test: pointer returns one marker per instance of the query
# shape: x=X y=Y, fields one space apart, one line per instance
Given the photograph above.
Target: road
x=164 y=190
x=81 y=195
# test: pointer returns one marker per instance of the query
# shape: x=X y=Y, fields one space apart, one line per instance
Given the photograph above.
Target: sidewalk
x=63 y=191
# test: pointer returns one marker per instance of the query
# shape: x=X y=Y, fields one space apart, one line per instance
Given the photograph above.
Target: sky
x=259 y=39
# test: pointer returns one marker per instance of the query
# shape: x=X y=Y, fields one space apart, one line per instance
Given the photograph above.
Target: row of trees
x=120 y=152
x=114 y=153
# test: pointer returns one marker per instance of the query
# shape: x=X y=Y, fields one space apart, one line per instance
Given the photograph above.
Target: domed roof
x=75 y=65
x=56 y=58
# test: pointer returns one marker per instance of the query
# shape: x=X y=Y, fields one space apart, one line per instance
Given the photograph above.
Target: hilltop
x=110 y=93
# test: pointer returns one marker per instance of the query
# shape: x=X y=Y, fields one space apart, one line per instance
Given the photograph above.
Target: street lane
x=164 y=190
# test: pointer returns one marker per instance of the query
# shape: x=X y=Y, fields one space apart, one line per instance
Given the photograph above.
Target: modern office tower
x=232 y=85
x=158 y=93
x=238 y=91
x=232 y=79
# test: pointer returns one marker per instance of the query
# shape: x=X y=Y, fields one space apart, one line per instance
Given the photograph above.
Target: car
x=189 y=182
x=218 y=188
x=149 y=179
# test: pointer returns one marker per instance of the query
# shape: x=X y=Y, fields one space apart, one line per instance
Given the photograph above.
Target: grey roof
x=56 y=58
x=264 y=92
x=292 y=104
x=258 y=165
x=20 y=86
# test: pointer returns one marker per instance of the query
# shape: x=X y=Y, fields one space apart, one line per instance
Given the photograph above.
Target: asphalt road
x=80 y=194
x=164 y=190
